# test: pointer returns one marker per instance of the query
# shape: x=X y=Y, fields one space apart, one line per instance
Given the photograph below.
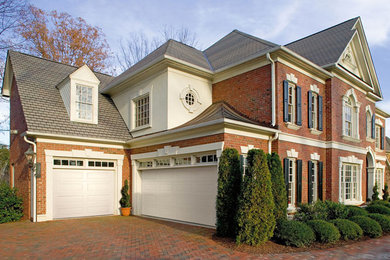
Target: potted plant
x=125 y=200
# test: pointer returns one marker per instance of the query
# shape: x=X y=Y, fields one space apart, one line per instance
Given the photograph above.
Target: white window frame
x=134 y=115
x=314 y=110
x=351 y=97
x=353 y=162
x=378 y=137
x=292 y=104
x=292 y=176
x=368 y=125
x=315 y=182
x=86 y=102
x=379 y=174
x=13 y=175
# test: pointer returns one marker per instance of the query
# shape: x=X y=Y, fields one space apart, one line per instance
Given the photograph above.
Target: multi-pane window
x=163 y=162
x=291 y=182
x=291 y=103
x=183 y=161
x=348 y=117
x=349 y=181
x=378 y=178
x=146 y=164
x=314 y=110
x=206 y=158
x=369 y=124
x=377 y=136
x=84 y=104
x=142 y=113
x=314 y=181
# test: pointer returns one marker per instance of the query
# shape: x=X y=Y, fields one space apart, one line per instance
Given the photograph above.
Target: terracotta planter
x=125 y=211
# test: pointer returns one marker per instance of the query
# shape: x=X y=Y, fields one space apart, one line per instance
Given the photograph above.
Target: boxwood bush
x=381 y=203
x=325 y=232
x=336 y=210
x=356 y=211
x=383 y=220
x=314 y=211
x=294 y=233
x=11 y=208
x=370 y=227
x=373 y=208
x=349 y=230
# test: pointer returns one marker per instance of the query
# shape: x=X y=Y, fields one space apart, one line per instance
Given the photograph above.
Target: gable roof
x=325 y=47
x=44 y=109
x=235 y=47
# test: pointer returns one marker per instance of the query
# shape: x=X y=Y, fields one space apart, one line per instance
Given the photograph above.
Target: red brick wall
x=236 y=141
x=17 y=149
x=249 y=93
x=41 y=182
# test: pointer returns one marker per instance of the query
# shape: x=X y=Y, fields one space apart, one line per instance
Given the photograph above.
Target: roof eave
x=7 y=78
x=381 y=112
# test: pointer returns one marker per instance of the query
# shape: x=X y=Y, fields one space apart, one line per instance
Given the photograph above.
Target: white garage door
x=78 y=193
x=184 y=194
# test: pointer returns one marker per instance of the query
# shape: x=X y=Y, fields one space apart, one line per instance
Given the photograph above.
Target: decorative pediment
x=315 y=157
x=348 y=61
x=292 y=153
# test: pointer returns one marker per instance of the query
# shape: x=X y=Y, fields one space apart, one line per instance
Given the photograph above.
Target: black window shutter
x=299 y=106
x=309 y=181
x=373 y=127
x=320 y=178
x=320 y=113
x=286 y=164
x=382 y=138
x=299 y=181
x=285 y=101
x=309 y=108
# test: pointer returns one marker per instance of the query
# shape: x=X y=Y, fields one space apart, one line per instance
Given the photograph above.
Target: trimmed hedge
x=373 y=208
x=278 y=186
x=323 y=210
x=256 y=220
x=349 y=230
x=294 y=233
x=356 y=211
x=336 y=210
x=381 y=203
x=11 y=206
x=383 y=220
x=229 y=184
x=370 y=227
x=325 y=232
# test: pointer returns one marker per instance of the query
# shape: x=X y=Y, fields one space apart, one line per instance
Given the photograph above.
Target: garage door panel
x=185 y=194
x=84 y=192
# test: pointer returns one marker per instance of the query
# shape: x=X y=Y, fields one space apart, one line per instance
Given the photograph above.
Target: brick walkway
x=140 y=238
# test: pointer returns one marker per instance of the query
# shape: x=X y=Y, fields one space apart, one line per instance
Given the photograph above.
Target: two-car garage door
x=82 y=192
x=183 y=194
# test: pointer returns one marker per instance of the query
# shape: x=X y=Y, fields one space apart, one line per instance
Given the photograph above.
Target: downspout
x=34 y=180
x=273 y=92
x=276 y=136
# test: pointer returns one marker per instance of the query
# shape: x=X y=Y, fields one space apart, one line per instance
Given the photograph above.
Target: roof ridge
x=271 y=44
x=182 y=43
x=326 y=29
x=58 y=62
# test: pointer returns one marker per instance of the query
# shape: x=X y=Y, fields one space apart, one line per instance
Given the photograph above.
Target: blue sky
x=278 y=21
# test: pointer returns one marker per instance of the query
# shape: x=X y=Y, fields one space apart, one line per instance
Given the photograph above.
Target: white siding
x=65 y=94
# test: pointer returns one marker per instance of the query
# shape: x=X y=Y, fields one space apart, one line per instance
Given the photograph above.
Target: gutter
x=273 y=108
x=34 y=180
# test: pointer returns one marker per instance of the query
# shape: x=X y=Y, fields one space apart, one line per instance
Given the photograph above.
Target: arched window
x=350 y=116
x=368 y=124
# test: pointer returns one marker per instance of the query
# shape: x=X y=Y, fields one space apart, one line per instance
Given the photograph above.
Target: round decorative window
x=190 y=99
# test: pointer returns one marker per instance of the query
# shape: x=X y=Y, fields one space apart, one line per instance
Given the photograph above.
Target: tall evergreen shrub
x=256 y=220
x=375 y=194
x=229 y=184
x=386 y=193
x=278 y=186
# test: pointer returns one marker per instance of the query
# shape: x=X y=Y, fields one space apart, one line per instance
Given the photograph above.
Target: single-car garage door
x=184 y=194
x=82 y=192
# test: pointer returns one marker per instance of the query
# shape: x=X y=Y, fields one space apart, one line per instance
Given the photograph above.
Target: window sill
x=315 y=131
x=353 y=202
x=351 y=139
x=141 y=128
x=292 y=126
x=370 y=140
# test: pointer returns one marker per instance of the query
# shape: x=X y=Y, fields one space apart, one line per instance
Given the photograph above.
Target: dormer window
x=84 y=104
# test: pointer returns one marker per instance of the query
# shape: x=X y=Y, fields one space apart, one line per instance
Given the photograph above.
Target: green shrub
x=314 y=211
x=386 y=193
x=370 y=227
x=256 y=221
x=375 y=193
x=336 y=210
x=378 y=209
x=381 y=203
x=229 y=183
x=294 y=233
x=11 y=206
x=125 y=200
x=356 y=211
x=325 y=232
x=349 y=230
x=383 y=220
x=278 y=186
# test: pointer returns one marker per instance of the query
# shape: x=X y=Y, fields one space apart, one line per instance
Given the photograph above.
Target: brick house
x=164 y=122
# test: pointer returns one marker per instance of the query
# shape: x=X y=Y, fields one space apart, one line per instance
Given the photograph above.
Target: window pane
x=91 y=163
x=80 y=163
x=57 y=162
x=110 y=164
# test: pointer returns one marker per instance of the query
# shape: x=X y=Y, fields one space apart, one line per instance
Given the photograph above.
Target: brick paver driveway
x=135 y=237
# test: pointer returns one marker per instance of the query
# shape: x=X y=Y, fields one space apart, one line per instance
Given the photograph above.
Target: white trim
x=87 y=153
x=292 y=153
x=61 y=141
x=291 y=77
x=351 y=160
x=245 y=149
x=314 y=157
x=315 y=88
x=380 y=158
x=378 y=122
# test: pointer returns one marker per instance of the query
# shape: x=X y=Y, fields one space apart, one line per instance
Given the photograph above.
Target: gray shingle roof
x=325 y=47
x=43 y=106
x=235 y=47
